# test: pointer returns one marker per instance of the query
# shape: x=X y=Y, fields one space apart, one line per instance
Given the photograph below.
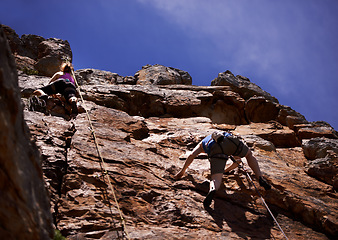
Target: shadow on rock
x=245 y=223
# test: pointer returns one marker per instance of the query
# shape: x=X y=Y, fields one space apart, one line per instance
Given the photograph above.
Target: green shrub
x=58 y=235
x=30 y=71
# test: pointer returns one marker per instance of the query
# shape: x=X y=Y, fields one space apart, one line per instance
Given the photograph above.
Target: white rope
x=247 y=174
x=105 y=172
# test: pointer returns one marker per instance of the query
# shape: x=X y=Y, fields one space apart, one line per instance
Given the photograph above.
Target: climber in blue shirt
x=219 y=146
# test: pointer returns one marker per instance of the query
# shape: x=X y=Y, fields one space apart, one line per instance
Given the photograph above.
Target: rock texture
x=24 y=205
x=94 y=76
x=242 y=85
x=144 y=129
x=162 y=75
x=36 y=54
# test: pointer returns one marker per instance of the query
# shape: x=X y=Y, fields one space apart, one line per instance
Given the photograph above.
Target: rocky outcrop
x=143 y=131
x=52 y=53
x=319 y=147
x=242 y=85
x=315 y=129
x=24 y=205
x=161 y=75
x=325 y=169
x=35 y=54
x=172 y=101
x=289 y=117
x=259 y=109
x=94 y=76
x=323 y=159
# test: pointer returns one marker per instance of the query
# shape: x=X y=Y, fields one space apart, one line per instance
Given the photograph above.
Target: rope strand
x=105 y=172
x=247 y=174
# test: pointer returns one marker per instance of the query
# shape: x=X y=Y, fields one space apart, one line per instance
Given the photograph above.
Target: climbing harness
x=239 y=146
x=241 y=166
x=219 y=137
x=102 y=162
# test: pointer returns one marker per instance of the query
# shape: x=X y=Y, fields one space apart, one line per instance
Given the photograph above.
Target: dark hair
x=66 y=67
x=220 y=139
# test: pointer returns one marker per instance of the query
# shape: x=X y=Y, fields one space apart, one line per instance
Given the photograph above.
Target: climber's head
x=217 y=136
x=66 y=67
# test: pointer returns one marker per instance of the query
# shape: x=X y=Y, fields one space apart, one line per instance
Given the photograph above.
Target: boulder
x=161 y=75
x=318 y=147
x=26 y=64
x=325 y=169
x=94 y=76
x=289 y=117
x=30 y=46
x=258 y=143
x=241 y=85
x=259 y=109
x=314 y=130
x=38 y=55
x=51 y=54
x=25 y=59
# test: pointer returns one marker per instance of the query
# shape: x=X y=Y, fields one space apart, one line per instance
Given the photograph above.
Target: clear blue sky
x=287 y=47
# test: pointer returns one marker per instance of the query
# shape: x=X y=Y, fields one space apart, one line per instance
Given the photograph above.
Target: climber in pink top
x=62 y=82
x=67 y=76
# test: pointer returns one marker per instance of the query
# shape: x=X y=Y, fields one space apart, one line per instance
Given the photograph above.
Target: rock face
x=143 y=129
x=24 y=205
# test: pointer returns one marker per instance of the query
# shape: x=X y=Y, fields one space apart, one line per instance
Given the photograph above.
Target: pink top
x=68 y=77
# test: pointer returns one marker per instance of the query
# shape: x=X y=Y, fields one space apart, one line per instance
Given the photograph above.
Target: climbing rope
x=102 y=162
x=241 y=166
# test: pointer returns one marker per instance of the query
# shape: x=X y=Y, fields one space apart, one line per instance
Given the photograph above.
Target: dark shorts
x=217 y=165
x=67 y=89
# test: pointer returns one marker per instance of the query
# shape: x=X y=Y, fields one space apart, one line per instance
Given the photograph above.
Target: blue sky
x=287 y=47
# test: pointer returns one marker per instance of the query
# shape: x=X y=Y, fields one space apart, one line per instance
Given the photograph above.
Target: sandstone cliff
x=145 y=123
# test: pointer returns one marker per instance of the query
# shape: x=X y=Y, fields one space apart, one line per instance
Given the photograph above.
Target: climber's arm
x=197 y=150
x=233 y=165
x=55 y=77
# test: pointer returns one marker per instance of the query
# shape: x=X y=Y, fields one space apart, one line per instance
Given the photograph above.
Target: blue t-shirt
x=208 y=142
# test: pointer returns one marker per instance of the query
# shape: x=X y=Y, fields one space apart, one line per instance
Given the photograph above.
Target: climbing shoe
x=264 y=183
x=44 y=97
x=37 y=104
x=74 y=108
x=208 y=198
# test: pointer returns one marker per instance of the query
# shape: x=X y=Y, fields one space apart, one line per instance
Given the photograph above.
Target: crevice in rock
x=67 y=137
